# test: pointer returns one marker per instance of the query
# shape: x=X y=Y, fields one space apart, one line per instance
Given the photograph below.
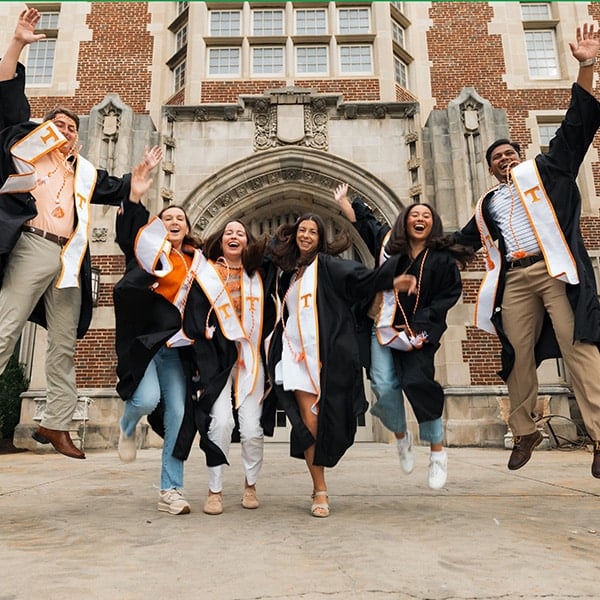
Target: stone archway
x=277 y=185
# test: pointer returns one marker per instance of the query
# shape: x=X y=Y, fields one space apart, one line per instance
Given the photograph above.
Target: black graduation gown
x=144 y=320
x=558 y=169
x=212 y=362
x=441 y=287
x=340 y=283
x=16 y=209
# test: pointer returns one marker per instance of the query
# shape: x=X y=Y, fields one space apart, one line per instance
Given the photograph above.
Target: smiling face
x=502 y=159
x=233 y=242
x=68 y=128
x=176 y=223
x=419 y=223
x=307 y=237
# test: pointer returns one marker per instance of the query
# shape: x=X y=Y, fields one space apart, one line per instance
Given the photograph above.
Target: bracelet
x=588 y=63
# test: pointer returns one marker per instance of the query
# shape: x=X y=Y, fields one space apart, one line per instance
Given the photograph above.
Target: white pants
x=251 y=435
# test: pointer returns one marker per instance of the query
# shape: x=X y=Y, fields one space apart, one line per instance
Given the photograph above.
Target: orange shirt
x=169 y=285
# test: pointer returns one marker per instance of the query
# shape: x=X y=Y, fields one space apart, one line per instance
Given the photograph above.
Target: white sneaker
x=173 y=502
x=438 y=471
x=405 y=452
x=127 y=447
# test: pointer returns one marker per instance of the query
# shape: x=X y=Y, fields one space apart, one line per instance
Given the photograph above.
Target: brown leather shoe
x=523 y=448
x=596 y=461
x=61 y=440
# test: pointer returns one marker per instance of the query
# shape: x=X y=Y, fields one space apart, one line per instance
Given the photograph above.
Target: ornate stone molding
x=242 y=193
x=99 y=234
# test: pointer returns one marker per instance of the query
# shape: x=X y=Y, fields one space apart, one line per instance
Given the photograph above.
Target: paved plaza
x=90 y=530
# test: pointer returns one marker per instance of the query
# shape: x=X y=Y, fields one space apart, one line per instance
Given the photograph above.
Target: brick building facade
x=263 y=108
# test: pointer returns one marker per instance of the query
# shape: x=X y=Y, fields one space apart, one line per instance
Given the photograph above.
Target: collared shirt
x=510 y=217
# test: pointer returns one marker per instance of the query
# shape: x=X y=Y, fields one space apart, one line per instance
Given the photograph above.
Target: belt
x=51 y=237
x=525 y=262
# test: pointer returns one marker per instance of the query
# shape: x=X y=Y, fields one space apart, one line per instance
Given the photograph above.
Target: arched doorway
x=277 y=186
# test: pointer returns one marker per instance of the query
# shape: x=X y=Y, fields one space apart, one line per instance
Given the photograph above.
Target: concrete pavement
x=90 y=529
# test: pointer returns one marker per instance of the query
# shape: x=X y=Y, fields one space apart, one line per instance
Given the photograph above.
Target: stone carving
x=249 y=187
x=351 y=111
x=230 y=113
x=469 y=112
x=99 y=234
x=379 y=111
x=302 y=124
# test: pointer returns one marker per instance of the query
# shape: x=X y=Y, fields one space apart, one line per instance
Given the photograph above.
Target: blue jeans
x=164 y=378
x=387 y=387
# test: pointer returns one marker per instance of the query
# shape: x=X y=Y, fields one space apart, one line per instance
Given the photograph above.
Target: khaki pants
x=31 y=274
x=527 y=293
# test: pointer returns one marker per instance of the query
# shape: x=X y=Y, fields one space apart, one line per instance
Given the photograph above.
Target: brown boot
x=523 y=448
x=61 y=440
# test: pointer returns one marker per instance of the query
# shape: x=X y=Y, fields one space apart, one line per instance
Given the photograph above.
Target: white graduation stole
x=387 y=334
x=246 y=333
x=73 y=251
x=542 y=218
x=557 y=254
x=150 y=246
x=308 y=323
x=484 y=305
x=42 y=140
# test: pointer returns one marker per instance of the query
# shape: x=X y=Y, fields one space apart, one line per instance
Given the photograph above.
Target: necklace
x=408 y=327
x=520 y=253
x=231 y=277
x=58 y=212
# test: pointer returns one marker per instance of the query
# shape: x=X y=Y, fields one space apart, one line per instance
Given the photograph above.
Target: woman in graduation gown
x=416 y=239
x=151 y=346
x=229 y=319
x=313 y=357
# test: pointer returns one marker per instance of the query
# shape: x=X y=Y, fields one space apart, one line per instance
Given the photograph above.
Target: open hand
x=587 y=44
x=24 y=32
x=341 y=193
x=152 y=157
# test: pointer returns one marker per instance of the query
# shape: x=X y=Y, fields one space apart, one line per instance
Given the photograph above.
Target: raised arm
x=23 y=36
x=341 y=197
x=585 y=50
x=140 y=176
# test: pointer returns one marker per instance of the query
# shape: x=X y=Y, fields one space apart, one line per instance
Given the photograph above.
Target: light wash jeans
x=164 y=378
x=390 y=402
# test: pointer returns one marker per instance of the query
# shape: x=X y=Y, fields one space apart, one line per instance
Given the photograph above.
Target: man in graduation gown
x=539 y=295
x=46 y=190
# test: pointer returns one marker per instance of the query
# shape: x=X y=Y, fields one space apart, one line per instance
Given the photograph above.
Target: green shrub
x=12 y=384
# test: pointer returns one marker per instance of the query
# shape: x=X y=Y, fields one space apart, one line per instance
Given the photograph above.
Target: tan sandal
x=319 y=509
x=249 y=499
x=213 y=504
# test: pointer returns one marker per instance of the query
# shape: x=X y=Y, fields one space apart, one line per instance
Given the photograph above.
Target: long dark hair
x=189 y=239
x=284 y=249
x=252 y=254
x=399 y=242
